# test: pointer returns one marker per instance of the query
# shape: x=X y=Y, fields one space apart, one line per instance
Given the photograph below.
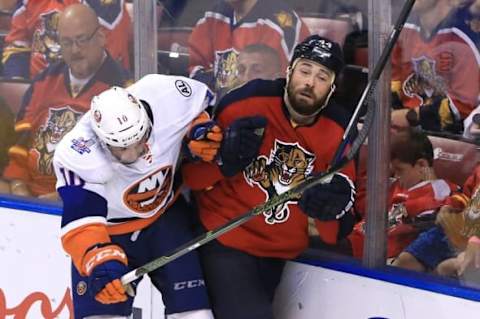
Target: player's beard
x=304 y=100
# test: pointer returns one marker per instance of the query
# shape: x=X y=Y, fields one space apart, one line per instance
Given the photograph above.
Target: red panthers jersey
x=31 y=44
x=48 y=112
x=286 y=158
x=443 y=67
x=421 y=200
x=218 y=37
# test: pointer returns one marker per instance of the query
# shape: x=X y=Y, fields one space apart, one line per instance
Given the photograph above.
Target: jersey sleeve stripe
x=79 y=223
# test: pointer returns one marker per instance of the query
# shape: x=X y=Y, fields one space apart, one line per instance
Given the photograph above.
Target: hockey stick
x=296 y=191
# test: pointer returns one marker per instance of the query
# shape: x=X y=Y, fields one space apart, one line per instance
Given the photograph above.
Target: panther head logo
x=45 y=38
x=424 y=82
x=59 y=122
x=226 y=69
x=289 y=164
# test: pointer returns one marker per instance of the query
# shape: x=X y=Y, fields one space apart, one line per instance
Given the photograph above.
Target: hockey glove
x=328 y=201
x=241 y=143
x=105 y=265
x=204 y=138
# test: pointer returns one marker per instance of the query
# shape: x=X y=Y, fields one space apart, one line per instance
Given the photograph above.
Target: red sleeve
x=17 y=167
x=472 y=182
x=463 y=90
x=19 y=27
x=200 y=49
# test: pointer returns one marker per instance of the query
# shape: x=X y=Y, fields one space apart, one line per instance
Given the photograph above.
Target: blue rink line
x=323 y=259
x=441 y=285
x=30 y=204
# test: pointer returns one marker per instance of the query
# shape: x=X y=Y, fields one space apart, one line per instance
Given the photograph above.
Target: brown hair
x=411 y=145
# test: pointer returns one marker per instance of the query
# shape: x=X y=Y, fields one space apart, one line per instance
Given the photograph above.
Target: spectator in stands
x=7 y=139
x=433 y=87
x=258 y=61
x=32 y=44
x=58 y=98
x=459 y=218
x=232 y=25
x=415 y=196
x=356 y=10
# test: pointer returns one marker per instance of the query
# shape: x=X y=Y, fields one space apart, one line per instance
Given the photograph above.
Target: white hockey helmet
x=118 y=118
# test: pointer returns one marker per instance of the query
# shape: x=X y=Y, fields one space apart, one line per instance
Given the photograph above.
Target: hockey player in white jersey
x=115 y=174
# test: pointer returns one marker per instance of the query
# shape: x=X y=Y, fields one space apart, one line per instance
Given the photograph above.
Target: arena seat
x=334 y=29
x=173 y=50
x=5 y=18
x=360 y=57
x=12 y=91
x=455 y=159
x=171 y=37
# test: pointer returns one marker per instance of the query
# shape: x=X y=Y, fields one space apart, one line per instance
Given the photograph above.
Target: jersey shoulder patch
x=81 y=152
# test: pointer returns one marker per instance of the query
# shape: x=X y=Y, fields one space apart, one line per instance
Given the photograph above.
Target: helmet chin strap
x=297 y=117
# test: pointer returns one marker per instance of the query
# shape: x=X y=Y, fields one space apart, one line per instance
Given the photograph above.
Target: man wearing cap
x=275 y=134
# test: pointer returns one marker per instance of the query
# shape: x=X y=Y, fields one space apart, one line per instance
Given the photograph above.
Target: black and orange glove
x=204 y=138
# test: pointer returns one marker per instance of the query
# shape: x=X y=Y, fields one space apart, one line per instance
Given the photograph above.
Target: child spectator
x=415 y=196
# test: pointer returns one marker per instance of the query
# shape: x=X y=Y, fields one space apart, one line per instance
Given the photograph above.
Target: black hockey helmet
x=321 y=50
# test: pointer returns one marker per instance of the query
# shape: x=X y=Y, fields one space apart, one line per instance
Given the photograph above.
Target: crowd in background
x=435 y=90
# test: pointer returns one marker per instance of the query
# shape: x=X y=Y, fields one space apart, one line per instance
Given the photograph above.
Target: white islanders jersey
x=144 y=188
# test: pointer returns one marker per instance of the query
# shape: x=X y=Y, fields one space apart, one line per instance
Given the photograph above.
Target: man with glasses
x=57 y=98
x=32 y=42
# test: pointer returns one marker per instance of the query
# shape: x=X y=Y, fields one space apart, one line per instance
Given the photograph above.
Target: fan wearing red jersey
x=56 y=100
x=416 y=196
x=232 y=25
x=32 y=43
x=431 y=86
x=276 y=133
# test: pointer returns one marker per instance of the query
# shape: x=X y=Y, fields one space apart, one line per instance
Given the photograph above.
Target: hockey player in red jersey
x=276 y=134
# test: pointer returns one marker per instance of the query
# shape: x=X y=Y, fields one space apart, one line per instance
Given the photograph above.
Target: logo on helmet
x=132 y=99
x=97 y=116
x=321 y=53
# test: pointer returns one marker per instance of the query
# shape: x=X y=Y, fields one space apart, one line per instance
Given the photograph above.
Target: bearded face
x=308 y=87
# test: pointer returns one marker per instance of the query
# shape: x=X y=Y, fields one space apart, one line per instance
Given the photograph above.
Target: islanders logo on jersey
x=289 y=164
x=150 y=192
x=226 y=72
x=45 y=39
x=58 y=123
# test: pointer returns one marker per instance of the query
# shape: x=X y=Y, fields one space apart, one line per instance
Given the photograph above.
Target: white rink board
x=311 y=292
x=35 y=271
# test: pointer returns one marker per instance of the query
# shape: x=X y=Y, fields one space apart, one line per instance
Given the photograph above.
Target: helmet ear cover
x=118 y=118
